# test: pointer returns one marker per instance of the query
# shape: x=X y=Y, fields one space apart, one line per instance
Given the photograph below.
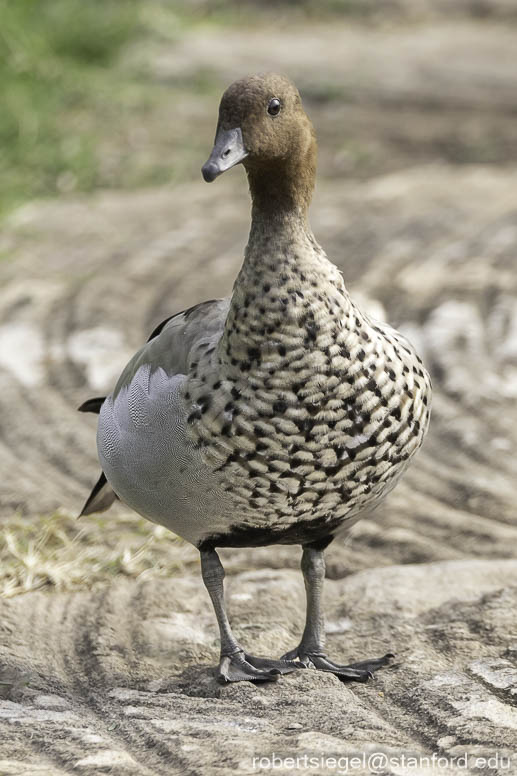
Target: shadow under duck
x=277 y=415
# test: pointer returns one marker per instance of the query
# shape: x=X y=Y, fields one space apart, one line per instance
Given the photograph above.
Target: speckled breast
x=309 y=439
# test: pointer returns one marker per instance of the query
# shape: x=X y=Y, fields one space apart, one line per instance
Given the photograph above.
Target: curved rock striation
x=108 y=692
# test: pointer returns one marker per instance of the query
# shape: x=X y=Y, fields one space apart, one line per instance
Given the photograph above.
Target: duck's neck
x=285 y=289
x=277 y=230
x=282 y=188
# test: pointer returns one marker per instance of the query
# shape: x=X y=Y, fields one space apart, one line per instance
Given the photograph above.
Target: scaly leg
x=235 y=664
x=310 y=651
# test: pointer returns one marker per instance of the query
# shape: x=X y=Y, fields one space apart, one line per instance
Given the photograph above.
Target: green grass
x=53 y=55
x=72 y=112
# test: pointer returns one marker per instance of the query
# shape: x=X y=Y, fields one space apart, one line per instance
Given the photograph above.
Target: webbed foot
x=240 y=666
x=358 y=672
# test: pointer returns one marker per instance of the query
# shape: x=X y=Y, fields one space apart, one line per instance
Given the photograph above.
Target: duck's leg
x=235 y=664
x=311 y=651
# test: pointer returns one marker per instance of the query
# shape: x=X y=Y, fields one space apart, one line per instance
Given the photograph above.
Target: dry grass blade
x=58 y=551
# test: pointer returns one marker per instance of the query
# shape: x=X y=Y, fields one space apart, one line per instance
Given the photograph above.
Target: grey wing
x=168 y=347
x=171 y=347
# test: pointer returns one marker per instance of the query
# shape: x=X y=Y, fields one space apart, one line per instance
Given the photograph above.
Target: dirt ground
x=106 y=667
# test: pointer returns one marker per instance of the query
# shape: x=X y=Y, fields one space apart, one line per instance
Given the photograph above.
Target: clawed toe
x=358 y=672
x=374 y=664
x=322 y=663
x=294 y=654
x=244 y=667
x=283 y=666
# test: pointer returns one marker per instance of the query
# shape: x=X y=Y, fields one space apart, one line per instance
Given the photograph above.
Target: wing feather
x=168 y=346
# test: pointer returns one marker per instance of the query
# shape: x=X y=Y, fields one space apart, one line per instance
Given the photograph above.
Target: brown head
x=262 y=124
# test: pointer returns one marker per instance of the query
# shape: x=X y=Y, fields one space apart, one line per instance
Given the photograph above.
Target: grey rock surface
x=121 y=684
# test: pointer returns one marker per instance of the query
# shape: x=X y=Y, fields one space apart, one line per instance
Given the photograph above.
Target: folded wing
x=168 y=346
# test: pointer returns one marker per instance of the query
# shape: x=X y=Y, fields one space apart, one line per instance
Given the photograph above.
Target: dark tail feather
x=92 y=405
x=101 y=497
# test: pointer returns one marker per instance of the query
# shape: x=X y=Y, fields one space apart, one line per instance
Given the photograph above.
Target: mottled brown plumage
x=278 y=415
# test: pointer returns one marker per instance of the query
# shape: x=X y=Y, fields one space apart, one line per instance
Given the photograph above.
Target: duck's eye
x=274 y=106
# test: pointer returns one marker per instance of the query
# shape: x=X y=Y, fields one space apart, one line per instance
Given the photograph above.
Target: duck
x=277 y=415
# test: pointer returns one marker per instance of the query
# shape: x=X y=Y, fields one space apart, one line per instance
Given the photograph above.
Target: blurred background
x=120 y=94
x=108 y=110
